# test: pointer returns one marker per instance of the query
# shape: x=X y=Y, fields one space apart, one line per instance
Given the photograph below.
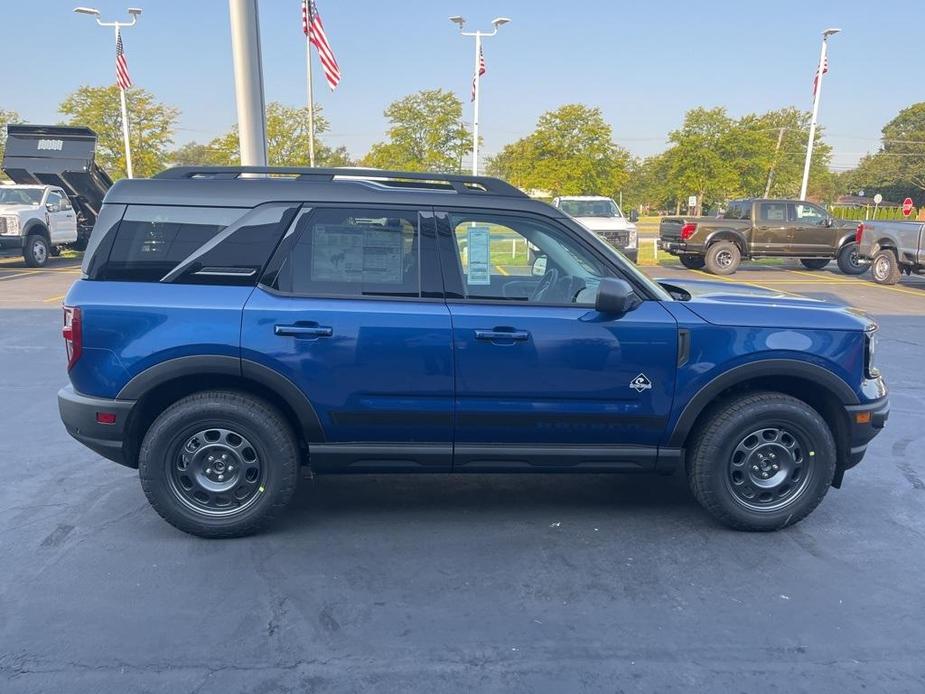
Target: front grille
x=618 y=239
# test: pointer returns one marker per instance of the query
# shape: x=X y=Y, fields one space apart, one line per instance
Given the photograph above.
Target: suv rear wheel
x=722 y=258
x=36 y=251
x=884 y=267
x=692 y=262
x=219 y=464
x=849 y=260
x=814 y=263
x=762 y=461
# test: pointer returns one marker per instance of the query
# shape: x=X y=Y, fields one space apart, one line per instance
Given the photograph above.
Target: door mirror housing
x=51 y=207
x=829 y=222
x=634 y=216
x=615 y=296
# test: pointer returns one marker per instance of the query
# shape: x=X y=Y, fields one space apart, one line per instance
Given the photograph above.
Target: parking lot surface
x=456 y=583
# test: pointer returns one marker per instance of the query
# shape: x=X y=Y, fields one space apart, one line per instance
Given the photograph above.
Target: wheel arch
x=161 y=385
x=36 y=226
x=727 y=234
x=814 y=385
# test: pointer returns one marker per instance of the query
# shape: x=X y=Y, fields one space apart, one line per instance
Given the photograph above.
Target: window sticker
x=478 y=242
x=343 y=253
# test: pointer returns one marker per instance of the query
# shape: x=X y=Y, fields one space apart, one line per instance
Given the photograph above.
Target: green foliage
x=287 y=141
x=151 y=126
x=864 y=213
x=6 y=117
x=426 y=133
x=897 y=170
x=571 y=152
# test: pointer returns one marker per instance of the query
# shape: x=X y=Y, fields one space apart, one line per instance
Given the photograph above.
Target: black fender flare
x=35 y=226
x=223 y=365
x=844 y=240
x=727 y=234
x=766 y=367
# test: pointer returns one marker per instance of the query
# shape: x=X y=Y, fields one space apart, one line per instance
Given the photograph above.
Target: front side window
x=523 y=260
x=773 y=212
x=354 y=253
x=805 y=214
x=54 y=199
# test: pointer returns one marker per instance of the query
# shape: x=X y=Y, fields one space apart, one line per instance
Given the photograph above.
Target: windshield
x=590 y=208
x=20 y=196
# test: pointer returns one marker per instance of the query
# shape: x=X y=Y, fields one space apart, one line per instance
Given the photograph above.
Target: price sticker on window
x=478 y=242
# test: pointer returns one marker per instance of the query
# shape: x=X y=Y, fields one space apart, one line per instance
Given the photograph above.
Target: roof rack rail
x=460 y=183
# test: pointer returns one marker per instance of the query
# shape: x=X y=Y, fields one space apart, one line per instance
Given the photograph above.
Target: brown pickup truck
x=762 y=229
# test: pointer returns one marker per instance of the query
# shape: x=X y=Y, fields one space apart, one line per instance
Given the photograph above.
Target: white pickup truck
x=36 y=221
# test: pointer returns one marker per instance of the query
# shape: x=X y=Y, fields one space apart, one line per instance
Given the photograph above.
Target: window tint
x=520 y=259
x=354 y=252
x=772 y=212
x=152 y=240
x=808 y=214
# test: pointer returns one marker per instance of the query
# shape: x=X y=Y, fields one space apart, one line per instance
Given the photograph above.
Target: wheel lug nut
x=755 y=468
x=775 y=467
x=221 y=477
x=230 y=468
x=224 y=456
x=208 y=471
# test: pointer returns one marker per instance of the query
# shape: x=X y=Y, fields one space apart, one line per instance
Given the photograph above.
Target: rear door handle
x=303 y=330
x=516 y=335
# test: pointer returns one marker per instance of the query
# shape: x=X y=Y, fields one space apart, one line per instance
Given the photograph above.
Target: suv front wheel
x=761 y=461
x=36 y=251
x=219 y=464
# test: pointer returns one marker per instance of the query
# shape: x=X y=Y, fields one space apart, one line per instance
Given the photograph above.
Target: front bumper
x=11 y=243
x=79 y=414
x=864 y=423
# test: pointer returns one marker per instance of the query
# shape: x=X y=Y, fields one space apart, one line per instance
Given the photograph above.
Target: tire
x=884 y=267
x=36 y=251
x=814 y=263
x=735 y=452
x=692 y=262
x=186 y=485
x=722 y=258
x=849 y=262
x=55 y=251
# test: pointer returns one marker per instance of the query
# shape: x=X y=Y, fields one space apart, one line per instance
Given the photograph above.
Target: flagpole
x=311 y=95
x=125 y=138
x=475 y=106
x=812 y=123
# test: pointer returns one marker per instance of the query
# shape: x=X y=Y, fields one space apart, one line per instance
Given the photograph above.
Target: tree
x=6 y=117
x=426 y=133
x=151 y=127
x=287 y=140
x=196 y=154
x=571 y=152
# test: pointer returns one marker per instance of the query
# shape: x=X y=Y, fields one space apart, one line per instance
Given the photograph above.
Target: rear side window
x=738 y=210
x=195 y=245
x=772 y=212
x=354 y=253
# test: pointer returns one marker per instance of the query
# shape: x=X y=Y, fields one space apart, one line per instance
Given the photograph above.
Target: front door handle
x=303 y=330
x=516 y=335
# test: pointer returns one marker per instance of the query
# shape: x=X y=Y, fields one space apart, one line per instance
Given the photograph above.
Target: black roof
x=231 y=187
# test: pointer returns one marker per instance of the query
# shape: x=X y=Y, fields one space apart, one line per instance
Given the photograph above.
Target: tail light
x=73 y=335
x=688 y=230
x=858 y=233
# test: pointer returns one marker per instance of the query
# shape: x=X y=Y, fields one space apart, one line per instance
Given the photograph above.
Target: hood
x=606 y=223
x=742 y=305
x=16 y=209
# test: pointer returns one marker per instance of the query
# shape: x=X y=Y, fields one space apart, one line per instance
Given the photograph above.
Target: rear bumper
x=79 y=415
x=864 y=423
x=677 y=247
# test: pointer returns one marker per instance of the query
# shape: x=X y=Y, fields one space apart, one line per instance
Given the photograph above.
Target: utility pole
x=478 y=35
x=780 y=138
x=117 y=27
x=816 y=96
x=248 y=81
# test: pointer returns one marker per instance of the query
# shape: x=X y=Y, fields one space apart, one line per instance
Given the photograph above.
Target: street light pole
x=476 y=79
x=816 y=96
x=117 y=27
x=248 y=81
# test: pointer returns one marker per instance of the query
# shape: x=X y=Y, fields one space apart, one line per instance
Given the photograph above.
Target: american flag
x=481 y=72
x=314 y=30
x=825 y=69
x=122 y=77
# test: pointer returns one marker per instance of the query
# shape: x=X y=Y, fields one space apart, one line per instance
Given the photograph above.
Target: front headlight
x=870 y=355
x=11 y=225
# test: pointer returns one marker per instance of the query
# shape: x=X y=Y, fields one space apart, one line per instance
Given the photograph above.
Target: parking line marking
x=21 y=274
x=52 y=298
x=501 y=270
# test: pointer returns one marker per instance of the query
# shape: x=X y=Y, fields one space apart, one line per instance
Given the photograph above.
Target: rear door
x=772 y=231
x=351 y=311
x=542 y=379
x=810 y=233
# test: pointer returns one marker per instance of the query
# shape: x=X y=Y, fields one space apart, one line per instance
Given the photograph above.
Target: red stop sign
x=907 y=207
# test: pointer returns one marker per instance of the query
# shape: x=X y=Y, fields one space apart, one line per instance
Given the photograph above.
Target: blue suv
x=236 y=329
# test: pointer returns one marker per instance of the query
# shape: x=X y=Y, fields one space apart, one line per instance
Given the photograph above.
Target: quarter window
x=354 y=253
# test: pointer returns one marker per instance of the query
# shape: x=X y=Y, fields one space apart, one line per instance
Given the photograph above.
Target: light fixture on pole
x=817 y=93
x=135 y=12
x=476 y=79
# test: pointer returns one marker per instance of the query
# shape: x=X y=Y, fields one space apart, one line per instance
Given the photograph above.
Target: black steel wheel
x=219 y=464
x=761 y=461
x=722 y=258
x=850 y=261
x=692 y=262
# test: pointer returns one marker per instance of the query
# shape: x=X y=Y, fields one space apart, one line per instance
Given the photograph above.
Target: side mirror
x=829 y=222
x=615 y=296
x=51 y=207
x=634 y=216
x=539 y=266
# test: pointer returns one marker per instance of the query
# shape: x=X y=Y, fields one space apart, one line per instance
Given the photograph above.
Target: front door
x=542 y=379
x=355 y=317
x=62 y=222
x=811 y=233
x=771 y=235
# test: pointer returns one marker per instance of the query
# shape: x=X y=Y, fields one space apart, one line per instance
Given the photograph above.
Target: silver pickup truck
x=893 y=248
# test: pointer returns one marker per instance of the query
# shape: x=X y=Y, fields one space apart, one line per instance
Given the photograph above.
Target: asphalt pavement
x=455 y=583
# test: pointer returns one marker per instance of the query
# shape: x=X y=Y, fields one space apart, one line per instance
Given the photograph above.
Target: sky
x=643 y=63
